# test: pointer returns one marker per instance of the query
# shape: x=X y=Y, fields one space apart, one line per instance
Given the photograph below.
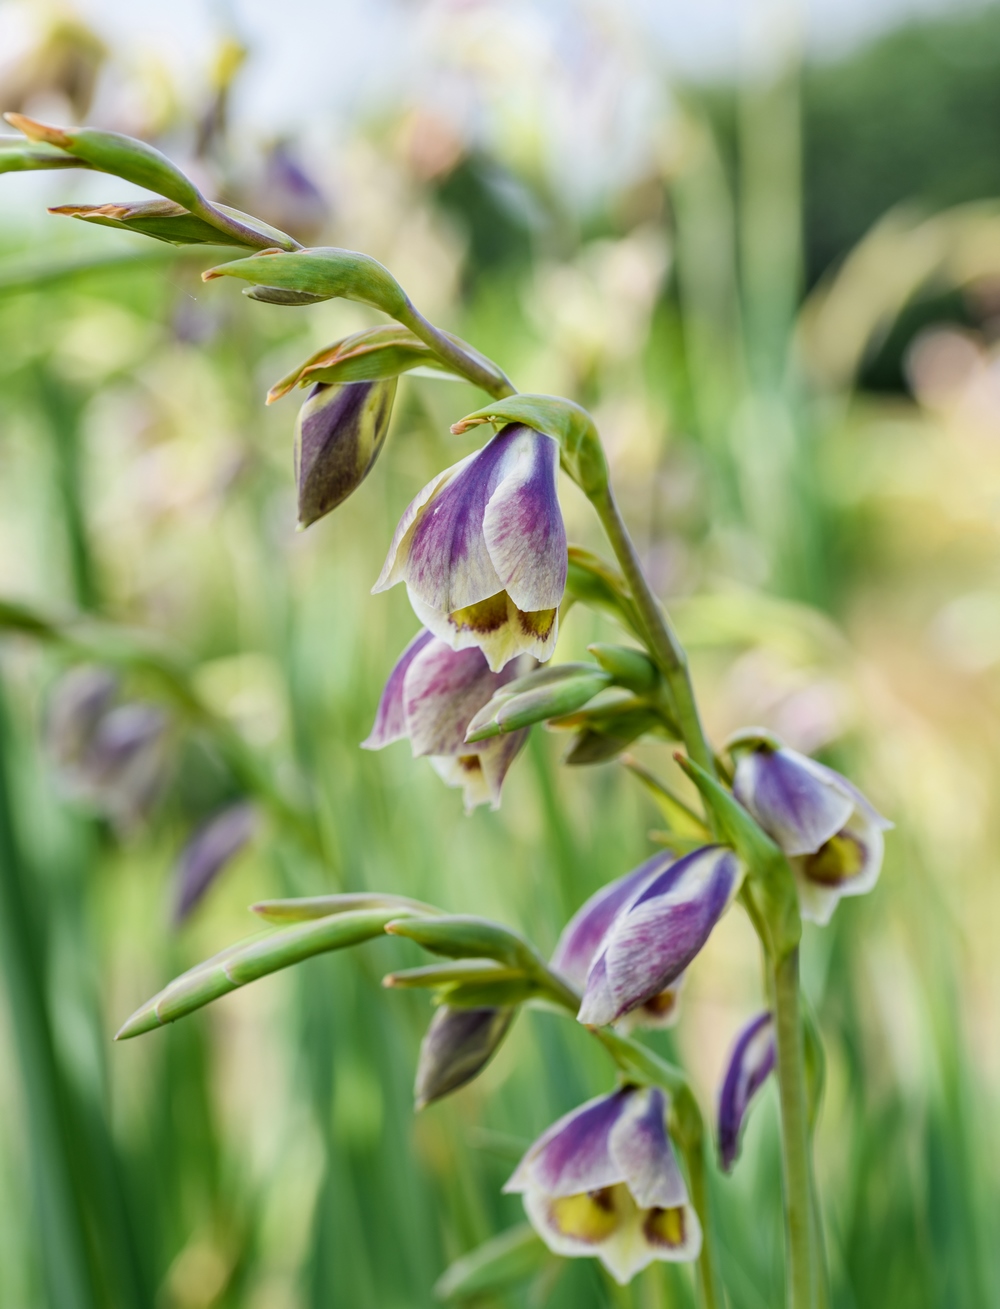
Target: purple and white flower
x=482 y=549
x=431 y=696
x=750 y=1062
x=583 y=937
x=338 y=436
x=604 y=1181
x=829 y=830
x=653 y=940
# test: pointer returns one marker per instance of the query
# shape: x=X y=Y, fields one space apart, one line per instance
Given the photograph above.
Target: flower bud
x=750 y=1061
x=210 y=849
x=456 y=1048
x=338 y=436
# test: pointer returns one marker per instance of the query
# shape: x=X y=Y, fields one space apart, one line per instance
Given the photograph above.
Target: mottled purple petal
x=395 y=567
x=212 y=847
x=523 y=524
x=795 y=802
x=582 y=936
x=442 y=690
x=655 y=939
x=750 y=1061
x=390 y=717
x=640 y=1147
x=574 y=1155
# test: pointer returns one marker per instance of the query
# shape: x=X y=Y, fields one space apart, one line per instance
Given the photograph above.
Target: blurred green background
x=779 y=293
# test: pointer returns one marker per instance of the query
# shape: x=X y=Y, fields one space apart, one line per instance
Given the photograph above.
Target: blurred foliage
x=831 y=553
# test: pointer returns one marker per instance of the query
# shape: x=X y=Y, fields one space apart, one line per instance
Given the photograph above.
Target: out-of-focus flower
x=288 y=198
x=482 y=549
x=604 y=1181
x=430 y=698
x=583 y=938
x=830 y=832
x=750 y=1061
x=338 y=436
x=652 y=941
x=112 y=757
x=456 y=1048
x=210 y=849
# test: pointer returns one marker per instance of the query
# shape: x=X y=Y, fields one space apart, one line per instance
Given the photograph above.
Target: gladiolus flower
x=456 y=1048
x=750 y=1061
x=583 y=938
x=830 y=832
x=604 y=1181
x=653 y=940
x=338 y=435
x=431 y=696
x=482 y=549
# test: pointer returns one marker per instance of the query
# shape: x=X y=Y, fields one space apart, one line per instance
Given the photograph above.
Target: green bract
x=325 y=272
x=368 y=356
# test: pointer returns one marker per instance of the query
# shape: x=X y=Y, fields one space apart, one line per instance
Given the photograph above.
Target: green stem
x=664 y=644
x=479 y=370
x=794 y=1133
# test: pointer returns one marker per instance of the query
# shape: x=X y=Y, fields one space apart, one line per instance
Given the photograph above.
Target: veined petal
x=848 y=864
x=496 y=757
x=750 y=1061
x=495 y=625
x=390 y=718
x=658 y=1012
x=523 y=524
x=794 y=799
x=395 y=567
x=574 y=1155
x=582 y=936
x=655 y=939
x=640 y=1147
x=442 y=690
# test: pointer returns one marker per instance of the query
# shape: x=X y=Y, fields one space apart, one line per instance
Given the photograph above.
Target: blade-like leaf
x=467 y=937
x=510 y=1257
x=580 y=449
x=251 y=959
x=684 y=822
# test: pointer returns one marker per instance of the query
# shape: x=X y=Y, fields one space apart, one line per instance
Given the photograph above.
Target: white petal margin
x=510 y=637
x=797 y=801
x=818 y=900
x=394 y=568
x=523 y=524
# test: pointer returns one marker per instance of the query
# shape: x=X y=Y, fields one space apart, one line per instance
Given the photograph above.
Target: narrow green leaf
x=467 y=937
x=324 y=271
x=512 y=1256
x=305 y=908
x=684 y=822
x=251 y=959
x=580 y=449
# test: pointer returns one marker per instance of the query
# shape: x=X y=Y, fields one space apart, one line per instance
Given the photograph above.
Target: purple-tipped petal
x=750 y=1061
x=796 y=801
x=390 y=717
x=207 y=853
x=655 y=939
x=583 y=935
x=574 y=1155
x=523 y=524
x=640 y=1147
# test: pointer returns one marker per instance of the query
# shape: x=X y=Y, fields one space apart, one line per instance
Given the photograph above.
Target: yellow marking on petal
x=591 y=1217
x=469 y=763
x=537 y=622
x=485 y=616
x=836 y=861
x=663 y=1005
x=665 y=1227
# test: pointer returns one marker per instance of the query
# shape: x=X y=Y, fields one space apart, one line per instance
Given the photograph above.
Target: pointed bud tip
x=143 y=1020
x=36 y=131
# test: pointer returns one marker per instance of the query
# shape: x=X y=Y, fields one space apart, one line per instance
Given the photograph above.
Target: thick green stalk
x=799 y=1291
x=480 y=372
x=664 y=644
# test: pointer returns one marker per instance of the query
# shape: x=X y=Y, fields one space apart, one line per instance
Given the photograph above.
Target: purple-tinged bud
x=209 y=850
x=603 y=1181
x=654 y=939
x=338 y=436
x=431 y=696
x=78 y=702
x=829 y=830
x=456 y=1048
x=750 y=1062
x=482 y=549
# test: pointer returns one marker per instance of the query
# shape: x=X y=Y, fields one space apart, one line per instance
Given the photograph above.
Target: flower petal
x=390 y=718
x=657 y=1013
x=655 y=939
x=641 y=1149
x=442 y=690
x=750 y=1061
x=395 y=567
x=793 y=799
x=582 y=936
x=496 y=757
x=494 y=625
x=523 y=524
x=848 y=864
x=574 y=1155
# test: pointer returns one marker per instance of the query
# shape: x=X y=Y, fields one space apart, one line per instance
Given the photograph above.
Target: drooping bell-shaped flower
x=431 y=696
x=583 y=937
x=604 y=1181
x=482 y=549
x=457 y=1046
x=338 y=435
x=831 y=833
x=653 y=940
x=210 y=849
x=750 y=1061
